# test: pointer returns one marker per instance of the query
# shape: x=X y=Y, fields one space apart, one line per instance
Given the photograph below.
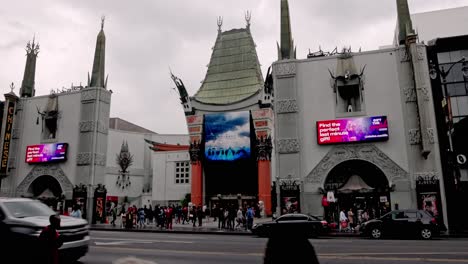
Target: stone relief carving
x=53 y=170
x=414 y=136
x=88 y=95
x=426 y=175
x=86 y=126
x=287 y=106
x=15 y=133
x=365 y=152
x=105 y=96
x=410 y=94
x=288 y=145
x=83 y=158
x=100 y=159
x=285 y=69
x=430 y=135
x=102 y=128
x=425 y=93
x=420 y=52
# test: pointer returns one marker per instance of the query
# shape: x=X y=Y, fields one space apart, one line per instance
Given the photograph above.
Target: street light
x=433 y=73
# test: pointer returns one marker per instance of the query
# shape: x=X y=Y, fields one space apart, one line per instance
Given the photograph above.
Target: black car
x=402 y=223
x=308 y=225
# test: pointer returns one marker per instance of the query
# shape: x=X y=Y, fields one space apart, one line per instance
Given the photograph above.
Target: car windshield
x=21 y=209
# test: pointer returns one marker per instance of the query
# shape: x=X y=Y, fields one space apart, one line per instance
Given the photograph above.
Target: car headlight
x=26 y=231
x=255 y=226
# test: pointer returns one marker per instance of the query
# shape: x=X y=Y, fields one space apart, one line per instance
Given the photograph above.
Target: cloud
x=146 y=37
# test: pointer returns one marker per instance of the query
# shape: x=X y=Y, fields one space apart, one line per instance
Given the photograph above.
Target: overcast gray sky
x=146 y=37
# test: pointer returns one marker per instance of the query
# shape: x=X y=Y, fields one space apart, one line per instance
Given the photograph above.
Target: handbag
x=344 y=224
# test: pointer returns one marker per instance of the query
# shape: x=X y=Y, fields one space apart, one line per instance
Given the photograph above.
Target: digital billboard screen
x=44 y=153
x=227 y=136
x=359 y=129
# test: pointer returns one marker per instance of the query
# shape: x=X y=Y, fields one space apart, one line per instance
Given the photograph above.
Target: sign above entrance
x=360 y=129
x=45 y=153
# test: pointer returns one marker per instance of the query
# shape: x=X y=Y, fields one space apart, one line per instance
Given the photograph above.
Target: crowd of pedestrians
x=159 y=216
x=229 y=217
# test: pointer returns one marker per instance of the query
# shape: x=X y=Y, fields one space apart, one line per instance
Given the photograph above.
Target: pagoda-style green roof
x=234 y=72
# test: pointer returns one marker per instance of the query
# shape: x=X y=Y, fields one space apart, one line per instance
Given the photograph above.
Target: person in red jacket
x=51 y=240
x=169 y=212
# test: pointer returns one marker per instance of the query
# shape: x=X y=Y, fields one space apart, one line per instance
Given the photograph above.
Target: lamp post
x=433 y=73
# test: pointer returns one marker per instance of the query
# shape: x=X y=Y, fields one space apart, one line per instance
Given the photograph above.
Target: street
x=164 y=248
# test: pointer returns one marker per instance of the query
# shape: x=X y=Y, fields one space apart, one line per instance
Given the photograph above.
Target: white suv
x=21 y=222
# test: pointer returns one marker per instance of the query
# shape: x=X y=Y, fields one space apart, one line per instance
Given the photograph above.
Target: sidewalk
x=208 y=227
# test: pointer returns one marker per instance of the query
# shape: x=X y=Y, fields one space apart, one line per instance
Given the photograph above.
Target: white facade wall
x=30 y=133
x=144 y=173
x=381 y=94
x=165 y=190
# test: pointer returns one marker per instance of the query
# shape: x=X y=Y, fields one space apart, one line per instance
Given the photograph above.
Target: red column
x=264 y=184
x=197 y=183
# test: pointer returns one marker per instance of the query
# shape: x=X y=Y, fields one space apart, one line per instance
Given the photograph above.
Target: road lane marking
x=120 y=249
x=113 y=243
x=341 y=256
x=159 y=234
x=393 y=253
x=423 y=260
x=143 y=240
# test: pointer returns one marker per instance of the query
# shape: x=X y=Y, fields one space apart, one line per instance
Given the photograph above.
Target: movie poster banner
x=227 y=136
x=360 y=129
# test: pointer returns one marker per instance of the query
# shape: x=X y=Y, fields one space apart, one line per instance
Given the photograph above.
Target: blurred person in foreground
x=289 y=246
x=51 y=241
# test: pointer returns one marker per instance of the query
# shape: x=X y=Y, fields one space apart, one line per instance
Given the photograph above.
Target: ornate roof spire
x=98 y=73
x=286 y=49
x=248 y=17
x=405 y=26
x=27 y=86
x=220 y=23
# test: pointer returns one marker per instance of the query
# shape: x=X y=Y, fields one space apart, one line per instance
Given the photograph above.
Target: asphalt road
x=161 y=248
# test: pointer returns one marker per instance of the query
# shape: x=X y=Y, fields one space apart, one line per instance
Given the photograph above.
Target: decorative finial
x=220 y=23
x=12 y=87
x=248 y=17
x=102 y=22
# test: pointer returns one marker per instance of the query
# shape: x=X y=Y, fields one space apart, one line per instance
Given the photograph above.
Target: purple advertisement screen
x=44 y=153
x=360 y=129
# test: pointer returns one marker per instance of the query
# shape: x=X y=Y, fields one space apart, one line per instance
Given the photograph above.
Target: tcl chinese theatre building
x=230 y=125
x=357 y=130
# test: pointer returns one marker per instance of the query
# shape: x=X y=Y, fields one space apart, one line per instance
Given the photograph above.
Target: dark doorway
x=47 y=189
x=360 y=186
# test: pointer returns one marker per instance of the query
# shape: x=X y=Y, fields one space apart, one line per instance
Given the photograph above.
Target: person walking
x=114 y=215
x=150 y=215
x=239 y=218
x=221 y=217
x=250 y=216
x=200 y=215
x=141 y=217
x=351 y=219
x=193 y=214
x=343 y=220
x=169 y=213
x=185 y=215
x=51 y=241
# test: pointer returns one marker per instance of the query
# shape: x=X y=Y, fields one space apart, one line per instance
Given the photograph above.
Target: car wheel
x=376 y=233
x=426 y=233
